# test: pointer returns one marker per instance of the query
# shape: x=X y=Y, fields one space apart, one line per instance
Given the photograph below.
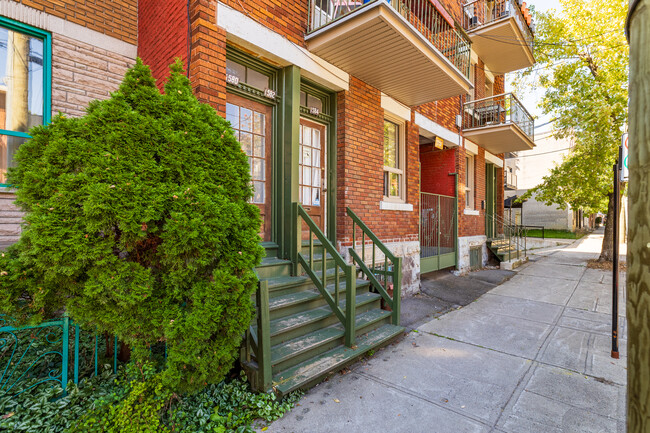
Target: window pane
x=306 y=176
x=258 y=146
x=232 y=115
x=316 y=174
x=316 y=159
x=306 y=155
x=391 y=145
x=8 y=147
x=394 y=185
x=315 y=196
x=316 y=139
x=258 y=124
x=306 y=196
x=258 y=195
x=234 y=68
x=306 y=136
x=303 y=98
x=21 y=81
x=256 y=79
x=246 y=119
x=258 y=169
x=246 y=141
x=313 y=101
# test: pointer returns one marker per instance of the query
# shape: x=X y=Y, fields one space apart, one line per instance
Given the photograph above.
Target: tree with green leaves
x=582 y=63
x=138 y=224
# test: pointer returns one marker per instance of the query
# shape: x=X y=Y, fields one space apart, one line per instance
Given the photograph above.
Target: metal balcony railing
x=453 y=43
x=498 y=110
x=481 y=12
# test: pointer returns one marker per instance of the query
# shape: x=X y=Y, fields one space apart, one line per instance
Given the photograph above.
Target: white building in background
x=525 y=170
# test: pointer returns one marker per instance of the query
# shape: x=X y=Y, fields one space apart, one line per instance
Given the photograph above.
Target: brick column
x=208 y=59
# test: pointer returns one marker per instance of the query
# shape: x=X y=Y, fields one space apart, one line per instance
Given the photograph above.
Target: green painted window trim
x=47 y=72
x=250 y=92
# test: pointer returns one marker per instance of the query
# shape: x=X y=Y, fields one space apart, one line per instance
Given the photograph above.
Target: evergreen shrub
x=138 y=223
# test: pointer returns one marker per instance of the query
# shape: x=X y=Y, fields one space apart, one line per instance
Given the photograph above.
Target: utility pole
x=638 y=277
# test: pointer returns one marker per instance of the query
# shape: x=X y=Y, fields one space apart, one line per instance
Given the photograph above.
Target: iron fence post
x=65 y=347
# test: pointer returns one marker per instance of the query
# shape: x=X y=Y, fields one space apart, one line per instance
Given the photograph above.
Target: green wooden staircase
x=506 y=239
x=317 y=313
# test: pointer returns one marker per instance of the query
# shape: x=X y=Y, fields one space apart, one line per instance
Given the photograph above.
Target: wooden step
x=285 y=284
x=291 y=303
x=292 y=352
x=313 y=370
x=296 y=325
x=273 y=267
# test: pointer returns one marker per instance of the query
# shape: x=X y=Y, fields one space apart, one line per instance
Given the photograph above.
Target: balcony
x=499 y=124
x=500 y=34
x=411 y=50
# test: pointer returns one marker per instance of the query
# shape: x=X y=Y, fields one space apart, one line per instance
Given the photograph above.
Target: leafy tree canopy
x=138 y=224
x=582 y=63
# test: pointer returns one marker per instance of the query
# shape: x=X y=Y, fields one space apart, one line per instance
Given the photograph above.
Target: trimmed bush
x=138 y=224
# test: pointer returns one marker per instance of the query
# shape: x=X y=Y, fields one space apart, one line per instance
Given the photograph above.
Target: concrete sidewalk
x=531 y=355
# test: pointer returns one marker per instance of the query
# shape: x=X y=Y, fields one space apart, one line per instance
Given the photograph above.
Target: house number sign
x=314 y=110
x=232 y=79
x=269 y=93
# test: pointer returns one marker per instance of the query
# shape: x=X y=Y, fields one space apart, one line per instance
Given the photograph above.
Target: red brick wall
x=289 y=18
x=208 y=58
x=116 y=18
x=360 y=167
x=436 y=165
x=207 y=66
x=162 y=35
x=442 y=112
x=471 y=225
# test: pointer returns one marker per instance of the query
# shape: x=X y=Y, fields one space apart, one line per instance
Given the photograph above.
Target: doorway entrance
x=312 y=179
x=253 y=129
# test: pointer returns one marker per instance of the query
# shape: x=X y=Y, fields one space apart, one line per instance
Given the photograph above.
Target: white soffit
x=493 y=159
x=395 y=108
x=429 y=129
x=248 y=33
x=471 y=147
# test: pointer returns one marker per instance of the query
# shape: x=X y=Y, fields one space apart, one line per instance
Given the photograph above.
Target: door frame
x=326 y=117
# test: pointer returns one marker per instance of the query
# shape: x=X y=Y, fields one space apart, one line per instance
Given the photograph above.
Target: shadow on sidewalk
x=442 y=292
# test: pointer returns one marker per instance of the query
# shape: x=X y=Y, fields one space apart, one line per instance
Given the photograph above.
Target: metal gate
x=437 y=232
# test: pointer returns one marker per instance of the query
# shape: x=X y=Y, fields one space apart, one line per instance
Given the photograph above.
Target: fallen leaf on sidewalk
x=336 y=400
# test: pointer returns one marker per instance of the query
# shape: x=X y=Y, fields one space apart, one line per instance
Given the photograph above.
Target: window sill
x=471 y=212
x=389 y=205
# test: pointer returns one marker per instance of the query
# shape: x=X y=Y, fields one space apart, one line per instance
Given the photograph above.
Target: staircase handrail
x=348 y=317
x=515 y=233
x=371 y=272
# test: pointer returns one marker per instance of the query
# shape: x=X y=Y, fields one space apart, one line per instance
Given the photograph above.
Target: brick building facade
x=269 y=43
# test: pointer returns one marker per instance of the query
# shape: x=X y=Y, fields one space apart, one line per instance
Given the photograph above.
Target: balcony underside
x=378 y=46
x=501 y=46
x=500 y=138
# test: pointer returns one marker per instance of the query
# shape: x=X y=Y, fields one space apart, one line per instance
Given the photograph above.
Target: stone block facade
x=92 y=47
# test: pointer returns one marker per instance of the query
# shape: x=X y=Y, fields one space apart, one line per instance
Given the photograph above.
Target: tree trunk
x=638 y=278
x=607 y=250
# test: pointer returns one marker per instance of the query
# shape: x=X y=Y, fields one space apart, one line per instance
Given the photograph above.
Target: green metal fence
x=49 y=353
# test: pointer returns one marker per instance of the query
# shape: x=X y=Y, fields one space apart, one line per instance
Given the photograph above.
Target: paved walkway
x=531 y=355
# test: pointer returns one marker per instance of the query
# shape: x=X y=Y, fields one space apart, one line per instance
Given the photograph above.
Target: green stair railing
x=348 y=316
x=258 y=341
x=515 y=235
x=390 y=272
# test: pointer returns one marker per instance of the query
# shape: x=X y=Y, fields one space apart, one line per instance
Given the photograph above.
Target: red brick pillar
x=208 y=59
